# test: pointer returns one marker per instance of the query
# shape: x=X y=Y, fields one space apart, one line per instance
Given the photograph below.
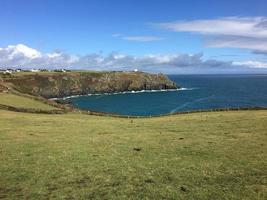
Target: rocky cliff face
x=51 y=85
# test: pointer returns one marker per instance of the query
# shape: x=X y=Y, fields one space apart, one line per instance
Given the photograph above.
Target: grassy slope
x=220 y=155
x=23 y=102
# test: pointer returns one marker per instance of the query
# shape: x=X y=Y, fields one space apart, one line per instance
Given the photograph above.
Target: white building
x=35 y=70
x=8 y=72
x=135 y=70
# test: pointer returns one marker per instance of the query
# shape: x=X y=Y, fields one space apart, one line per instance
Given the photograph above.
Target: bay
x=199 y=92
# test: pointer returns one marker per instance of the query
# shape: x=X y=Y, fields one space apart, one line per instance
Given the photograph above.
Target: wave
x=125 y=92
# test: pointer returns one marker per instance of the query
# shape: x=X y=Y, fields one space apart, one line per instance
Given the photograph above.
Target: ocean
x=199 y=92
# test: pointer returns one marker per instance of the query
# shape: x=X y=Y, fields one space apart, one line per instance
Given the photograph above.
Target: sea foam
x=125 y=92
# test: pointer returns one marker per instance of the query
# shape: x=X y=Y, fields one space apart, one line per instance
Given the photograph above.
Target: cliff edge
x=56 y=84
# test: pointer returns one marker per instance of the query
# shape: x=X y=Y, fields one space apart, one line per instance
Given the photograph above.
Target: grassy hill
x=57 y=84
x=215 y=155
x=17 y=101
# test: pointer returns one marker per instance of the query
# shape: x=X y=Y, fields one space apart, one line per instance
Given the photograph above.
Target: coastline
x=61 y=85
x=125 y=92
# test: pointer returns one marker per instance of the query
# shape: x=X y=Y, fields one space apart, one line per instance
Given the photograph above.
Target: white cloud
x=262 y=52
x=142 y=38
x=255 y=44
x=234 y=26
x=26 y=57
x=21 y=49
x=53 y=55
x=252 y=64
x=237 y=32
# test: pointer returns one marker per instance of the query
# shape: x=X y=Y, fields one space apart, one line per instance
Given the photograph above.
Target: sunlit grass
x=23 y=102
x=217 y=155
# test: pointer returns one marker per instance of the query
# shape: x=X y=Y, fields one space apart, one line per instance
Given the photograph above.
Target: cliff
x=56 y=84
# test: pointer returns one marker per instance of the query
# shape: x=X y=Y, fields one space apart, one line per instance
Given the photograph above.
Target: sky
x=167 y=36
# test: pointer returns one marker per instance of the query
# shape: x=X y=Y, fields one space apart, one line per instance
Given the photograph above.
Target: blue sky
x=137 y=30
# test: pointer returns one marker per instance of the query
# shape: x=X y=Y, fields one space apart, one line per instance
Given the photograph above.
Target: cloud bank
x=236 y=32
x=14 y=56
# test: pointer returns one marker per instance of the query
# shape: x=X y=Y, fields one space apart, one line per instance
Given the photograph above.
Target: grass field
x=23 y=102
x=216 y=155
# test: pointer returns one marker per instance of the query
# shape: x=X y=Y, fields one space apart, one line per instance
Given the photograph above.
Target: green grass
x=23 y=102
x=216 y=155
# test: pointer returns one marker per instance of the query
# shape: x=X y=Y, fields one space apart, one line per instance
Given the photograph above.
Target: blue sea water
x=201 y=92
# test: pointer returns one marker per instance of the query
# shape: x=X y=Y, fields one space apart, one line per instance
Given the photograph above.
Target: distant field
x=18 y=74
x=216 y=155
x=23 y=102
